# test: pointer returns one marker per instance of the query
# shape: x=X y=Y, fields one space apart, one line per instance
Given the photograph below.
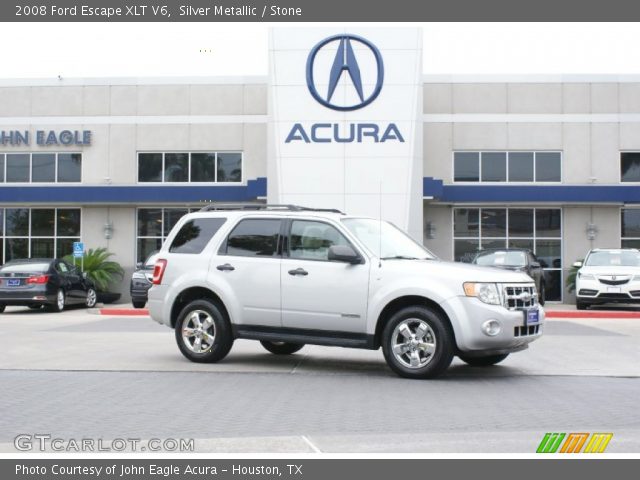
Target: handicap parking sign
x=78 y=249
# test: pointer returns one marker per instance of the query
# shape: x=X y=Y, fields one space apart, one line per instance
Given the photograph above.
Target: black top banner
x=316 y=10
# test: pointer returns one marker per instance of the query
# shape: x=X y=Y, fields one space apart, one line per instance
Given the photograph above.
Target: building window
x=190 y=167
x=514 y=167
x=630 y=227
x=537 y=229
x=630 y=166
x=38 y=232
x=40 y=167
x=153 y=226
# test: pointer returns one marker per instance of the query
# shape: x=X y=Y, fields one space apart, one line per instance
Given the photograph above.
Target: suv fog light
x=491 y=328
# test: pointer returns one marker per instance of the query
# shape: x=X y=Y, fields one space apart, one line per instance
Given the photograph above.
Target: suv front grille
x=526 y=331
x=520 y=296
x=614 y=282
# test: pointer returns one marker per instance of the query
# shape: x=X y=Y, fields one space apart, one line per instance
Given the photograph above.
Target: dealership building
x=344 y=119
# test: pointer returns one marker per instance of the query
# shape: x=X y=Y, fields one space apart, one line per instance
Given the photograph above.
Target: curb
x=124 y=312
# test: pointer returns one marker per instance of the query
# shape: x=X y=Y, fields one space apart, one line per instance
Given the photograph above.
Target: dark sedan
x=50 y=282
x=517 y=259
x=141 y=281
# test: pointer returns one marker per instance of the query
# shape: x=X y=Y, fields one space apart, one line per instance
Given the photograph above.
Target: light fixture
x=108 y=230
x=592 y=231
x=430 y=230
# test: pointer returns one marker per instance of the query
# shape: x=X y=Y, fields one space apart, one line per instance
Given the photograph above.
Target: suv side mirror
x=577 y=264
x=344 y=253
x=535 y=265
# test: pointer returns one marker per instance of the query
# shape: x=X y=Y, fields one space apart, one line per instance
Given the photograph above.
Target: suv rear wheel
x=417 y=343
x=203 y=333
x=281 y=348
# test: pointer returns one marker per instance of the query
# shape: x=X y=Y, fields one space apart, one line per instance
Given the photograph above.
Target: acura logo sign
x=345 y=64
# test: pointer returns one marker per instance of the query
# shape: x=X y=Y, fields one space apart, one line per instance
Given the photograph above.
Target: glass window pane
x=1 y=180
x=176 y=167
x=16 y=248
x=69 y=167
x=203 y=167
x=553 y=285
x=1 y=227
x=465 y=250
x=549 y=253
x=630 y=243
x=311 y=240
x=1 y=251
x=631 y=222
x=521 y=243
x=17 y=220
x=548 y=222
x=42 y=222
x=150 y=222
x=229 y=167
x=18 y=167
x=171 y=217
x=146 y=246
x=630 y=166
x=68 y=222
x=150 y=167
x=548 y=167
x=195 y=234
x=493 y=243
x=520 y=222
x=521 y=166
x=465 y=222
x=64 y=246
x=43 y=167
x=494 y=222
x=466 y=167
x=254 y=238
x=494 y=166
x=42 y=248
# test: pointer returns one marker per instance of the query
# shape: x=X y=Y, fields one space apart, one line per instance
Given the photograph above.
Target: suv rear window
x=195 y=234
x=254 y=238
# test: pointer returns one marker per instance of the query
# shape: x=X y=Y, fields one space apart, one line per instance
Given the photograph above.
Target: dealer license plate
x=13 y=282
x=531 y=316
x=614 y=290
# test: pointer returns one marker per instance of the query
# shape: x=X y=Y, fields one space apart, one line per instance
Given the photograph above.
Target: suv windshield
x=393 y=242
x=507 y=259
x=625 y=258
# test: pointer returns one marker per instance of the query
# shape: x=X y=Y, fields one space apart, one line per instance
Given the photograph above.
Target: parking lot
x=77 y=374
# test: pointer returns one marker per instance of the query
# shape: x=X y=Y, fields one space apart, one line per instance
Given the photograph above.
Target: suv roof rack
x=212 y=207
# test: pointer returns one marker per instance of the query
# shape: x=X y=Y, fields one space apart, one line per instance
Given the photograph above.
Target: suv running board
x=301 y=335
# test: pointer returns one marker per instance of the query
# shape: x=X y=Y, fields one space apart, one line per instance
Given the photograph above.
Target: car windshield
x=385 y=240
x=502 y=259
x=614 y=258
x=24 y=268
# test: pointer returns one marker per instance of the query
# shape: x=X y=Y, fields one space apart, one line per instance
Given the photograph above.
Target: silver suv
x=288 y=276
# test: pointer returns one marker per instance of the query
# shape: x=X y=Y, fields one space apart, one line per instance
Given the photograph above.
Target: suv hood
x=463 y=272
x=610 y=270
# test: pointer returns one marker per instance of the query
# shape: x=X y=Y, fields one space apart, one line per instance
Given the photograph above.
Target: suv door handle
x=226 y=267
x=298 y=271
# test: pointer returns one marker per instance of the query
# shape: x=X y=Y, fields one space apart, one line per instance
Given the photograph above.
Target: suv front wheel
x=203 y=333
x=417 y=343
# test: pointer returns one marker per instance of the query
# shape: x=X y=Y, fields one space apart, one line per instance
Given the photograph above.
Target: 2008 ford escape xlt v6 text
x=288 y=275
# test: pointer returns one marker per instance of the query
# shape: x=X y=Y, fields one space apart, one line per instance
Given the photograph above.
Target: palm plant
x=99 y=269
x=570 y=281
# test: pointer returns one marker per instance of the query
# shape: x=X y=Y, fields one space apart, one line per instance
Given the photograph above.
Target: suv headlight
x=485 y=292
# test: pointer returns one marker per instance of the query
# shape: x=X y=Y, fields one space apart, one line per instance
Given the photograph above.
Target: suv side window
x=195 y=234
x=311 y=240
x=254 y=238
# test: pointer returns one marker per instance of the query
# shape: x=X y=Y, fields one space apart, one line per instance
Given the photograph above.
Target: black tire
x=581 y=305
x=438 y=335
x=35 y=307
x=542 y=294
x=138 y=303
x=217 y=337
x=281 y=348
x=486 y=361
x=57 y=306
x=2 y=307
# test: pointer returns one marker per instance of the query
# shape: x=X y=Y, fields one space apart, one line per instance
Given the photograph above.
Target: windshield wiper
x=402 y=257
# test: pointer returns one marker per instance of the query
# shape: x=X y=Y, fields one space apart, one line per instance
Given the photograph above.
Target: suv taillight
x=38 y=279
x=158 y=271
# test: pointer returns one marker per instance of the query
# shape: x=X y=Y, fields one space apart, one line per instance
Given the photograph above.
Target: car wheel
x=581 y=305
x=34 y=307
x=282 y=348
x=138 y=304
x=2 y=307
x=417 y=343
x=485 y=361
x=58 y=306
x=542 y=294
x=203 y=333
x=92 y=298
